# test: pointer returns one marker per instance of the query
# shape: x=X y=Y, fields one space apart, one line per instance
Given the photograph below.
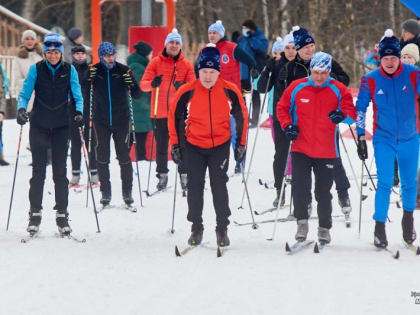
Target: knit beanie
x=321 y=61
x=278 y=45
x=209 y=58
x=28 y=33
x=250 y=24
x=104 y=49
x=218 y=28
x=143 y=48
x=411 y=50
x=412 y=26
x=289 y=40
x=74 y=33
x=78 y=48
x=389 y=45
x=173 y=36
x=52 y=41
x=302 y=37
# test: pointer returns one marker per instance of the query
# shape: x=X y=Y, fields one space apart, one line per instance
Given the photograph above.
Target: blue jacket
x=6 y=82
x=253 y=45
x=394 y=99
x=29 y=85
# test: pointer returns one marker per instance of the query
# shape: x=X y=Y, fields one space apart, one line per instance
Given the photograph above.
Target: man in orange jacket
x=166 y=73
x=206 y=105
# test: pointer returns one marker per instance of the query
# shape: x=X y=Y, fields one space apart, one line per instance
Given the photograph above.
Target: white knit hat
x=28 y=33
x=412 y=50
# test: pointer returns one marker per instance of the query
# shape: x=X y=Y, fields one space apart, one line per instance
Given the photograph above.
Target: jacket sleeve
x=27 y=88
x=176 y=114
x=190 y=75
x=138 y=72
x=6 y=82
x=239 y=113
x=149 y=75
x=338 y=73
x=347 y=106
x=76 y=89
x=285 y=108
x=362 y=103
x=242 y=56
x=259 y=42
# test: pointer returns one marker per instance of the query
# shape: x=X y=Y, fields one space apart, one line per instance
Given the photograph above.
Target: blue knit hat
x=218 y=28
x=106 y=48
x=289 y=40
x=209 y=58
x=389 y=45
x=278 y=45
x=302 y=37
x=52 y=41
x=321 y=61
x=173 y=36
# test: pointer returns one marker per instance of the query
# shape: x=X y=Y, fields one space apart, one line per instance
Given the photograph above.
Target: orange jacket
x=203 y=115
x=172 y=70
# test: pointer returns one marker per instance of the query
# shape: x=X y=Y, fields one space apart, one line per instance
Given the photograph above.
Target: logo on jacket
x=380 y=92
x=225 y=58
x=405 y=88
x=304 y=100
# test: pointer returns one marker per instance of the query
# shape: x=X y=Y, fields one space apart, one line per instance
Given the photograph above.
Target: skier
x=283 y=75
x=313 y=134
x=52 y=80
x=392 y=88
x=410 y=33
x=206 y=105
x=80 y=63
x=4 y=87
x=74 y=38
x=410 y=54
x=111 y=117
x=168 y=72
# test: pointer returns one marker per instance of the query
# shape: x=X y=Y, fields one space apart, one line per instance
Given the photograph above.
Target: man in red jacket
x=166 y=72
x=309 y=111
x=206 y=106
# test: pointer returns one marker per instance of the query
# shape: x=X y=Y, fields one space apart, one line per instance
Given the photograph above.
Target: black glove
x=271 y=64
x=128 y=80
x=282 y=75
x=157 y=81
x=178 y=84
x=336 y=116
x=92 y=72
x=239 y=153
x=78 y=119
x=362 y=150
x=291 y=132
x=22 y=117
x=176 y=154
x=254 y=73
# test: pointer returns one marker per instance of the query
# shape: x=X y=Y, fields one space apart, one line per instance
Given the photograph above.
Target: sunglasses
x=53 y=44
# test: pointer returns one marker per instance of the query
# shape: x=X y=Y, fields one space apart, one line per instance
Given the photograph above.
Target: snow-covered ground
x=130 y=267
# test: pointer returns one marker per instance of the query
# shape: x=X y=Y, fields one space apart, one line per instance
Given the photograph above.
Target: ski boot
x=63 y=223
x=324 y=236
x=380 y=240
x=302 y=230
x=344 y=203
x=75 y=179
x=3 y=162
x=106 y=198
x=163 y=181
x=127 y=197
x=184 y=181
x=94 y=177
x=283 y=198
x=35 y=217
x=222 y=237
x=196 y=237
x=407 y=223
x=238 y=168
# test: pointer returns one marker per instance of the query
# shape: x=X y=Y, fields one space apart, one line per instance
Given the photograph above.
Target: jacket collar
x=396 y=73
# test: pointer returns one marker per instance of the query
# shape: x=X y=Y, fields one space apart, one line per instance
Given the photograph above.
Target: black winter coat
x=83 y=73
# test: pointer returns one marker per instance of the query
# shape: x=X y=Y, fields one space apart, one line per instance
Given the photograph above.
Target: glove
x=362 y=148
x=282 y=75
x=78 y=119
x=254 y=73
x=178 y=84
x=176 y=154
x=239 y=153
x=22 y=117
x=291 y=132
x=128 y=80
x=157 y=81
x=92 y=73
x=336 y=116
x=271 y=64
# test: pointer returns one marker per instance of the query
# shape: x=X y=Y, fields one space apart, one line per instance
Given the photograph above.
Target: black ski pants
x=76 y=146
x=217 y=161
x=302 y=166
x=256 y=107
x=141 y=138
x=281 y=145
x=120 y=136
x=41 y=140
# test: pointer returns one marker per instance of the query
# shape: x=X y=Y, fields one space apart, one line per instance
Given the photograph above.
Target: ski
x=186 y=250
x=70 y=237
x=30 y=237
x=148 y=194
x=319 y=247
x=393 y=254
x=286 y=219
x=122 y=207
x=411 y=247
x=298 y=246
x=271 y=209
x=221 y=251
x=80 y=188
x=129 y=207
x=105 y=207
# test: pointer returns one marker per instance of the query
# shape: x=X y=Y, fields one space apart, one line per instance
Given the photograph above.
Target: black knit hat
x=209 y=58
x=74 y=33
x=143 y=48
x=412 y=26
x=250 y=24
x=78 y=48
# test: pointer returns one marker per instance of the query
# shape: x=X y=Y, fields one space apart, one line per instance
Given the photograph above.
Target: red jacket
x=229 y=67
x=206 y=114
x=172 y=70
x=308 y=106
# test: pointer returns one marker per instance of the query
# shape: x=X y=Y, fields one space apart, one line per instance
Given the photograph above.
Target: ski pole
x=14 y=176
x=173 y=208
x=89 y=181
x=255 y=140
x=254 y=225
x=90 y=131
x=281 y=193
x=153 y=139
x=133 y=134
x=361 y=199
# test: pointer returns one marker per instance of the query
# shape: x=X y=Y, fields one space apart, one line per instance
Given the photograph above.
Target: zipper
x=211 y=121
x=306 y=69
x=109 y=98
x=169 y=87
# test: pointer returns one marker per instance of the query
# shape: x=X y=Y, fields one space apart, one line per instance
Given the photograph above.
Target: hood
x=137 y=58
x=23 y=52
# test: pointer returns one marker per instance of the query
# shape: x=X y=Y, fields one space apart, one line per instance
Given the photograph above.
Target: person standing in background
x=4 y=87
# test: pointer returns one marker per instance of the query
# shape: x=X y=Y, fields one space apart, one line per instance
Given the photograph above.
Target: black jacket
x=83 y=73
x=110 y=97
x=295 y=69
x=415 y=40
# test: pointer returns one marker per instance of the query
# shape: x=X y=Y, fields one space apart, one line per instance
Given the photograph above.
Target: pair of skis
x=35 y=235
x=123 y=207
x=220 y=251
x=300 y=245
